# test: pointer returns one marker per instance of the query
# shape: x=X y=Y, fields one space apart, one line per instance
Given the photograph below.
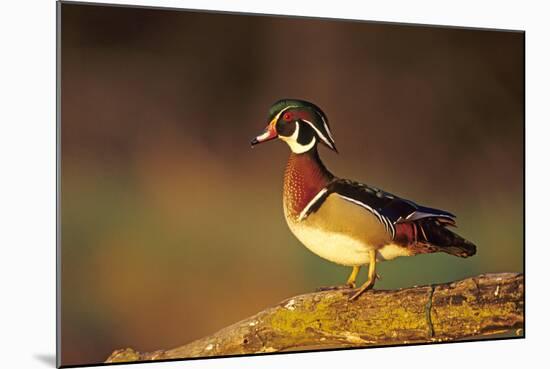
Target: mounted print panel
x=238 y=184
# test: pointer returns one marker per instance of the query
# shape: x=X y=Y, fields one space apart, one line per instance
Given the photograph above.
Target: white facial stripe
x=326 y=127
x=328 y=130
x=282 y=111
x=319 y=133
x=310 y=204
x=295 y=146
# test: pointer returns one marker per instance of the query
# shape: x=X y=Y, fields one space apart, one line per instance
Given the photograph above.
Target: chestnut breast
x=304 y=177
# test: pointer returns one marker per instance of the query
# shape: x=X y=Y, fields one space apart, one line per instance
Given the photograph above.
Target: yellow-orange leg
x=353 y=276
x=371 y=278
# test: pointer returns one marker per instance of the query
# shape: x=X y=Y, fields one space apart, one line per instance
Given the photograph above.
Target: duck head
x=301 y=124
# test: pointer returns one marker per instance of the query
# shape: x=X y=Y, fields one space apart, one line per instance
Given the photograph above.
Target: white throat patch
x=295 y=146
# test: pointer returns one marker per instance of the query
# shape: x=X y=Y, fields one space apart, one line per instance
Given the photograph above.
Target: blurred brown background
x=172 y=227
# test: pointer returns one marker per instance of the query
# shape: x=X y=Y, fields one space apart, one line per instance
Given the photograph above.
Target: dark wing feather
x=386 y=204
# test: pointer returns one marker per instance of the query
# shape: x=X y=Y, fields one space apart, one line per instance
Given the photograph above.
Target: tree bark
x=475 y=307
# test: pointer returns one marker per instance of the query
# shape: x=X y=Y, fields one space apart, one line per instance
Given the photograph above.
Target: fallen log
x=480 y=306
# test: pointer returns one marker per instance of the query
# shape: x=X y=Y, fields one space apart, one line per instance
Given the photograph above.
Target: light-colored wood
x=476 y=307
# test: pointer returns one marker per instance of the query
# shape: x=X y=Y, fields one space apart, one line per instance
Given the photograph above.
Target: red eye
x=287 y=116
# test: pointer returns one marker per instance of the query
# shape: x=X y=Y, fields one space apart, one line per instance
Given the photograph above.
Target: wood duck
x=344 y=221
